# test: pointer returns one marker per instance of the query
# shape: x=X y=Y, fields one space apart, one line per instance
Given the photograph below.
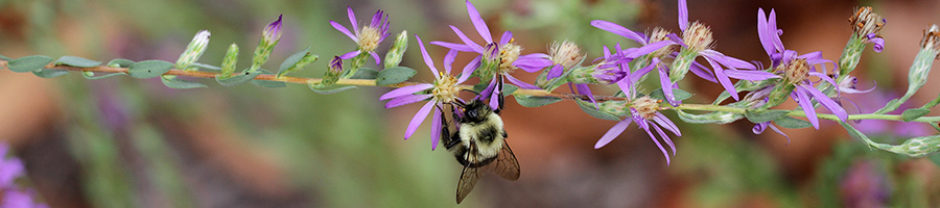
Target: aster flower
x=442 y=91
x=644 y=111
x=564 y=55
x=367 y=37
x=10 y=168
x=867 y=24
x=797 y=69
x=499 y=65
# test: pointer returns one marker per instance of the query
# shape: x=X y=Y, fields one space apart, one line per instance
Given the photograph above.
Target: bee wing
x=467 y=180
x=506 y=165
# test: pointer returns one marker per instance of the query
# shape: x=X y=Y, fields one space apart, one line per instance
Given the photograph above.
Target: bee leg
x=499 y=94
x=505 y=135
x=449 y=139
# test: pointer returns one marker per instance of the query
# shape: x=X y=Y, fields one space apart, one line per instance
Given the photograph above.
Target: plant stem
x=530 y=92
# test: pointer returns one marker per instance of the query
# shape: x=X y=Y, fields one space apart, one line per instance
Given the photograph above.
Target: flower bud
x=566 y=53
x=336 y=65
x=272 y=33
x=194 y=50
x=269 y=38
x=931 y=39
x=866 y=22
x=395 y=54
x=698 y=37
x=229 y=61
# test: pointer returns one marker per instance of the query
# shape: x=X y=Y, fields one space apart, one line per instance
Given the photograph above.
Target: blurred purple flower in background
x=444 y=90
x=12 y=196
x=368 y=37
x=864 y=185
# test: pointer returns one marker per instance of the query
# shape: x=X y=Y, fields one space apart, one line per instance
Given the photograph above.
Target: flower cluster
x=12 y=195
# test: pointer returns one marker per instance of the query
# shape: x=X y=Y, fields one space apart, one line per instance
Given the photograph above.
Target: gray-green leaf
x=91 y=75
x=292 y=60
x=394 y=75
x=330 y=90
x=365 y=73
x=180 y=84
x=792 y=123
x=50 y=73
x=761 y=116
x=589 y=108
x=914 y=113
x=237 y=78
x=76 y=61
x=29 y=63
x=709 y=118
x=149 y=69
x=679 y=93
x=120 y=63
x=535 y=101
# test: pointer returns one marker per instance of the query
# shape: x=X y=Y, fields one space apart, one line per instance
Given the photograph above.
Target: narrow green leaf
x=76 y=61
x=709 y=118
x=589 y=108
x=935 y=158
x=5 y=58
x=50 y=73
x=535 y=101
x=267 y=83
x=913 y=113
x=761 y=116
x=679 y=93
x=394 y=75
x=149 y=69
x=292 y=60
x=792 y=123
x=365 y=73
x=238 y=78
x=123 y=63
x=180 y=84
x=91 y=75
x=508 y=89
x=29 y=63
x=329 y=90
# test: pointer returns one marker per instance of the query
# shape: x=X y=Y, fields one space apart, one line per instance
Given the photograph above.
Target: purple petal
x=418 y=119
x=699 y=69
x=449 y=60
x=807 y=106
x=453 y=46
x=468 y=70
x=494 y=97
x=532 y=62
x=775 y=37
x=723 y=79
x=352 y=20
x=343 y=30
x=683 y=15
x=750 y=75
x=406 y=90
x=728 y=61
x=485 y=94
x=10 y=169
x=772 y=127
x=635 y=76
x=627 y=87
x=879 y=42
x=584 y=89
x=667 y=87
x=378 y=61
x=350 y=55
x=377 y=19
x=648 y=49
x=466 y=40
x=556 y=71
x=662 y=120
x=824 y=77
x=612 y=133
x=405 y=100
x=619 y=30
x=664 y=137
x=827 y=102
x=427 y=58
x=435 y=128
x=665 y=154
x=479 y=23
x=507 y=36
x=520 y=83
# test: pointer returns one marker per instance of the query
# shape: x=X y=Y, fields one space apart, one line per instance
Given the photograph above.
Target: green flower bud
x=394 y=55
x=229 y=61
x=193 y=51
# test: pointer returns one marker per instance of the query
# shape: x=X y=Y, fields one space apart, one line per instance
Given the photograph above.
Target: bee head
x=476 y=111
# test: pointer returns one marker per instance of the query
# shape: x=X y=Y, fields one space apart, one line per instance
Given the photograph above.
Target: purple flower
x=272 y=32
x=797 y=69
x=10 y=168
x=510 y=57
x=564 y=55
x=645 y=112
x=368 y=37
x=443 y=91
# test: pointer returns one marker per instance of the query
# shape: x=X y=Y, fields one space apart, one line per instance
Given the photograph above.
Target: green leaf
x=935 y=158
x=679 y=93
x=5 y=58
x=91 y=75
x=535 y=101
x=149 y=69
x=123 y=63
x=761 y=116
x=589 y=108
x=394 y=75
x=237 y=78
x=508 y=89
x=29 y=63
x=792 y=123
x=50 y=73
x=365 y=73
x=709 y=118
x=292 y=60
x=914 y=113
x=267 y=83
x=330 y=90
x=76 y=61
x=180 y=84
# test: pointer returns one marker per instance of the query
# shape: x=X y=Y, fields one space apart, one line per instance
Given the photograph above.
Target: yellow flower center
x=368 y=39
x=508 y=54
x=659 y=34
x=646 y=106
x=698 y=37
x=796 y=71
x=445 y=89
x=565 y=53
